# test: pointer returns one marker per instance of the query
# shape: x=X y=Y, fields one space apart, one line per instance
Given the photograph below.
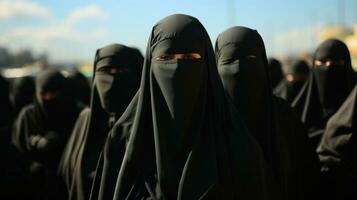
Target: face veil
x=243 y=68
x=182 y=123
x=327 y=86
x=115 y=89
x=54 y=100
x=296 y=76
x=111 y=94
x=332 y=81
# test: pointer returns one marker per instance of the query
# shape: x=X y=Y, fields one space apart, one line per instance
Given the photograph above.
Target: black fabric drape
x=78 y=163
x=276 y=72
x=288 y=89
x=338 y=149
x=243 y=67
x=14 y=176
x=184 y=139
x=326 y=89
x=41 y=131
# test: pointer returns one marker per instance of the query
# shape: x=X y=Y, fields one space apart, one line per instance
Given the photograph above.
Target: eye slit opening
x=113 y=70
x=295 y=77
x=329 y=62
x=164 y=57
x=318 y=63
x=251 y=56
x=48 y=95
x=179 y=56
x=120 y=70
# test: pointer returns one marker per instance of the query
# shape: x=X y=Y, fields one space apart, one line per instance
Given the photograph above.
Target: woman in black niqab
x=116 y=78
x=184 y=139
x=41 y=131
x=296 y=76
x=331 y=80
x=276 y=72
x=243 y=67
x=22 y=92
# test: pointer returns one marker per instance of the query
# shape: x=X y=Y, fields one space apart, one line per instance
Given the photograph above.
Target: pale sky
x=72 y=30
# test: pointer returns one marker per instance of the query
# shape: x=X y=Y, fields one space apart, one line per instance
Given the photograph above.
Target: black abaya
x=243 y=67
x=326 y=89
x=82 y=151
x=184 y=139
x=41 y=131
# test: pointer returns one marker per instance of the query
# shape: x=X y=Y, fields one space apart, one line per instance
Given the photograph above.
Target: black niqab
x=243 y=67
x=108 y=85
x=41 y=131
x=289 y=89
x=59 y=109
x=242 y=62
x=22 y=92
x=326 y=88
x=185 y=141
x=87 y=139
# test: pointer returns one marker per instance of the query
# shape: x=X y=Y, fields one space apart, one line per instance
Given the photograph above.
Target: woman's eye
x=180 y=56
x=251 y=56
x=192 y=56
x=187 y=57
x=105 y=69
x=318 y=63
x=165 y=57
x=329 y=63
x=113 y=70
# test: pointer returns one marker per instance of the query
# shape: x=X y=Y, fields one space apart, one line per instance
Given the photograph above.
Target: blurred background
x=35 y=34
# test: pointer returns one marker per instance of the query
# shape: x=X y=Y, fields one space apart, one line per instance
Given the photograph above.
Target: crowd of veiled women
x=186 y=121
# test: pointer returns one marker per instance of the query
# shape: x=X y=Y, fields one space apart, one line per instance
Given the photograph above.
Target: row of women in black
x=191 y=122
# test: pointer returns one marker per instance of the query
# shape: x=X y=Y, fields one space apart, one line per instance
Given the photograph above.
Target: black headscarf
x=326 y=88
x=22 y=92
x=276 y=72
x=87 y=139
x=243 y=67
x=60 y=109
x=185 y=141
x=289 y=89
